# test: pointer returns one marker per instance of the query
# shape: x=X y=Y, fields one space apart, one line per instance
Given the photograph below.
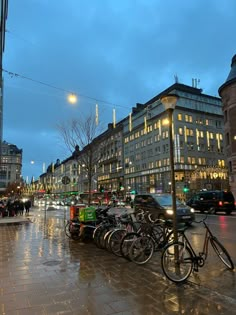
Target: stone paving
x=44 y=272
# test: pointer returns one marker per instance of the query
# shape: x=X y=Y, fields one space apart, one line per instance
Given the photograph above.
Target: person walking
x=21 y=207
x=16 y=206
x=10 y=208
x=27 y=207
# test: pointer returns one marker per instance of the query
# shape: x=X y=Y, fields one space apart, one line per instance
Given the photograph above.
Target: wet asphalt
x=42 y=271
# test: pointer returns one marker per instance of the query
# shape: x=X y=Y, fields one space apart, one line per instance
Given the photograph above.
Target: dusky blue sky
x=123 y=52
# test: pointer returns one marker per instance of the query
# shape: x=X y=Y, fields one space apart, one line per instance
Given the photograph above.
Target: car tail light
x=220 y=203
x=235 y=203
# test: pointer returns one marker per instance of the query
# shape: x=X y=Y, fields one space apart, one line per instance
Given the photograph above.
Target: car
x=160 y=207
x=213 y=201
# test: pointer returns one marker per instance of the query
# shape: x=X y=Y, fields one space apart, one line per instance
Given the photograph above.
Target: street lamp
x=169 y=101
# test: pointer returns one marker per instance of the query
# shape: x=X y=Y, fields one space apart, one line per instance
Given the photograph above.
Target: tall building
x=11 y=165
x=3 y=17
x=227 y=91
x=134 y=155
x=199 y=154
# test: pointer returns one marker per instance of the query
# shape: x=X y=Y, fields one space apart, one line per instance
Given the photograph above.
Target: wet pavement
x=44 y=272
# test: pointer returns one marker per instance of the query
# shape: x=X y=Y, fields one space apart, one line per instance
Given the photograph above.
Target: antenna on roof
x=195 y=82
x=176 y=78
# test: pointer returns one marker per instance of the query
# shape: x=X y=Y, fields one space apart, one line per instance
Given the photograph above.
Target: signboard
x=65 y=180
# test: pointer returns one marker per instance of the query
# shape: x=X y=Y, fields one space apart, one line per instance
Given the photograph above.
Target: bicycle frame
x=199 y=260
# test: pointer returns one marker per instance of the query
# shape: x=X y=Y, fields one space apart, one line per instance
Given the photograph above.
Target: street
x=44 y=272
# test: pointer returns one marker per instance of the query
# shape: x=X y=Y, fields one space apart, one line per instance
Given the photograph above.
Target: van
x=213 y=201
x=160 y=207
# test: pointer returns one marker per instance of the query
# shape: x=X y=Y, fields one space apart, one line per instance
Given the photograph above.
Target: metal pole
x=172 y=171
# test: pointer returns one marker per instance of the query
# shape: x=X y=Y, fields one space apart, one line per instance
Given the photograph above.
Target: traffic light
x=121 y=187
x=185 y=189
x=101 y=189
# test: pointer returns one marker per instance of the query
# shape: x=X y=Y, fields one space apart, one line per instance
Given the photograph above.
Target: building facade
x=134 y=154
x=11 y=165
x=228 y=94
x=3 y=17
x=198 y=144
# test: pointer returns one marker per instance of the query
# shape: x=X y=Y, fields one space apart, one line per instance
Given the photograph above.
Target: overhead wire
x=13 y=74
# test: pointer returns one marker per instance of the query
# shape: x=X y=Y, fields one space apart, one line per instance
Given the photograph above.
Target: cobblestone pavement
x=44 y=272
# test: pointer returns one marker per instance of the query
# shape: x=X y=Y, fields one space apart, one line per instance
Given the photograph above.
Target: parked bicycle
x=179 y=259
x=153 y=236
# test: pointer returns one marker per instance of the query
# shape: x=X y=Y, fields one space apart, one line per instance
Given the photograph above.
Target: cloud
x=120 y=52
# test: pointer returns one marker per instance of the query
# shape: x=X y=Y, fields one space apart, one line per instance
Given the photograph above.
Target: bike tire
x=67 y=229
x=126 y=242
x=106 y=238
x=141 y=250
x=101 y=237
x=114 y=240
x=222 y=253
x=177 y=271
x=96 y=235
x=74 y=234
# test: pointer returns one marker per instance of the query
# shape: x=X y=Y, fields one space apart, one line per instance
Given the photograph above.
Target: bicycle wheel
x=106 y=238
x=126 y=242
x=101 y=237
x=96 y=233
x=114 y=241
x=141 y=250
x=222 y=253
x=177 y=270
x=67 y=229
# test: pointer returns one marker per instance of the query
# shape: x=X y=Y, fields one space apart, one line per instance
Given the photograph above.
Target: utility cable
x=12 y=74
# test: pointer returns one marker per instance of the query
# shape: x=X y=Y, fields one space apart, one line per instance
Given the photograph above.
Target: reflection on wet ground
x=44 y=272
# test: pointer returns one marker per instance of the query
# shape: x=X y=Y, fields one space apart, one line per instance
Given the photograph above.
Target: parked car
x=160 y=207
x=213 y=201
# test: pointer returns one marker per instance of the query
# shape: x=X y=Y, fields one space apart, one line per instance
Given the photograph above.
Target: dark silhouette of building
x=227 y=91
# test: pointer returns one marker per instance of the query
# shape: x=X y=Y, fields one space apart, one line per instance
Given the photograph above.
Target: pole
x=172 y=171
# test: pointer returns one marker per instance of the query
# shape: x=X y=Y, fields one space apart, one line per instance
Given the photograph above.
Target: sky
x=114 y=53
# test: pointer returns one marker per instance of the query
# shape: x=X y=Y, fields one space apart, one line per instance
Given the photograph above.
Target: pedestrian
x=21 y=207
x=113 y=199
x=16 y=205
x=10 y=208
x=27 y=207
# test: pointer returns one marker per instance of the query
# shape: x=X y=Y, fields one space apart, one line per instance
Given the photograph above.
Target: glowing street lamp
x=169 y=101
x=72 y=98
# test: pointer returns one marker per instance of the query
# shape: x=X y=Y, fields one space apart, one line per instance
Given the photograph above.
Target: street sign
x=65 y=180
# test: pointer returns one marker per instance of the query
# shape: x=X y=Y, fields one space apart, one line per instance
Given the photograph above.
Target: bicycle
x=179 y=258
x=152 y=237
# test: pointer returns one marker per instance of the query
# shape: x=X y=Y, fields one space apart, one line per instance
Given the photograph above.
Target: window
x=180 y=117
x=189 y=132
x=188 y=118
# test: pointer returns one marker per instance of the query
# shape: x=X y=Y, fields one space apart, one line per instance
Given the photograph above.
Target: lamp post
x=169 y=101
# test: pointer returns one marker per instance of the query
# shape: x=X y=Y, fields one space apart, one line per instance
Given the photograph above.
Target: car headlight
x=192 y=210
x=170 y=212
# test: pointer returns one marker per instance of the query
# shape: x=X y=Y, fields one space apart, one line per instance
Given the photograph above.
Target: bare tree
x=81 y=138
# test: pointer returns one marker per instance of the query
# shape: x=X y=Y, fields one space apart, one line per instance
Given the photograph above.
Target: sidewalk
x=15 y=220
x=44 y=272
